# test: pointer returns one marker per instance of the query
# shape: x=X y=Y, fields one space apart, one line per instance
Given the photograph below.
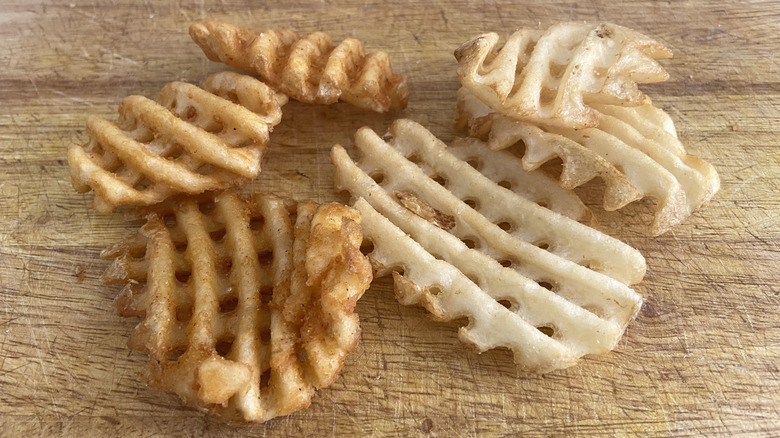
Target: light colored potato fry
x=496 y=261
x=555 y=75
x=635 y=151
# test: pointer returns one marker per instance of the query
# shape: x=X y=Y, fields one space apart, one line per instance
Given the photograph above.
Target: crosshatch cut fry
x=555 y=75
x=635 y=150
x=307 y=68
x=246 y=303
x=549 y=288
x=190 y=141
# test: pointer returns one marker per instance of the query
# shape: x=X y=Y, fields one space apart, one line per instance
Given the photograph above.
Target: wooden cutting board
x=700 y=359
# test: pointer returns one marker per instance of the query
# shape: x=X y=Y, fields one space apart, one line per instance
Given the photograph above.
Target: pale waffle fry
x=549 y=288
x=247 y=303
x=307 y=68
x=501 y=168
x=634 y=150
x=192 y=140
x=556 y=75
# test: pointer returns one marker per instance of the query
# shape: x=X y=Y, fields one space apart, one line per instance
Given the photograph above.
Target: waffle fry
x=635 y=151
x=309 y=68
x=499 y=257
x=247 y=304
x=501 y=168
x=192 y=140
x=557 y=74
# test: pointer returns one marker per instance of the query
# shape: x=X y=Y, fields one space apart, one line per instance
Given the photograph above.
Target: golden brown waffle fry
x=247 y=304
x=307 y=68
x=192 y=140
x=529 y=279
x=557 y=74
x=635 y=151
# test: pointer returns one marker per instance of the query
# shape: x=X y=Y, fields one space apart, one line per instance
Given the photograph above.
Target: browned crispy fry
x=307 y=68
x=192 y=140
x=246 y=304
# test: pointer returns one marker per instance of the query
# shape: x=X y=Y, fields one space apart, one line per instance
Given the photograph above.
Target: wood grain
x=702 y=358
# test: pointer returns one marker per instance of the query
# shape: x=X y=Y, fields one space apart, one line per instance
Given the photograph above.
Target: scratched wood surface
x=702 y=357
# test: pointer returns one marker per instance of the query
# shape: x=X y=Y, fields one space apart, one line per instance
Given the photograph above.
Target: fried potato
x=549 y=288
x=246 y=303
x=307 y=68
x=192 y=140
x=556 y=75
x=635 y=151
